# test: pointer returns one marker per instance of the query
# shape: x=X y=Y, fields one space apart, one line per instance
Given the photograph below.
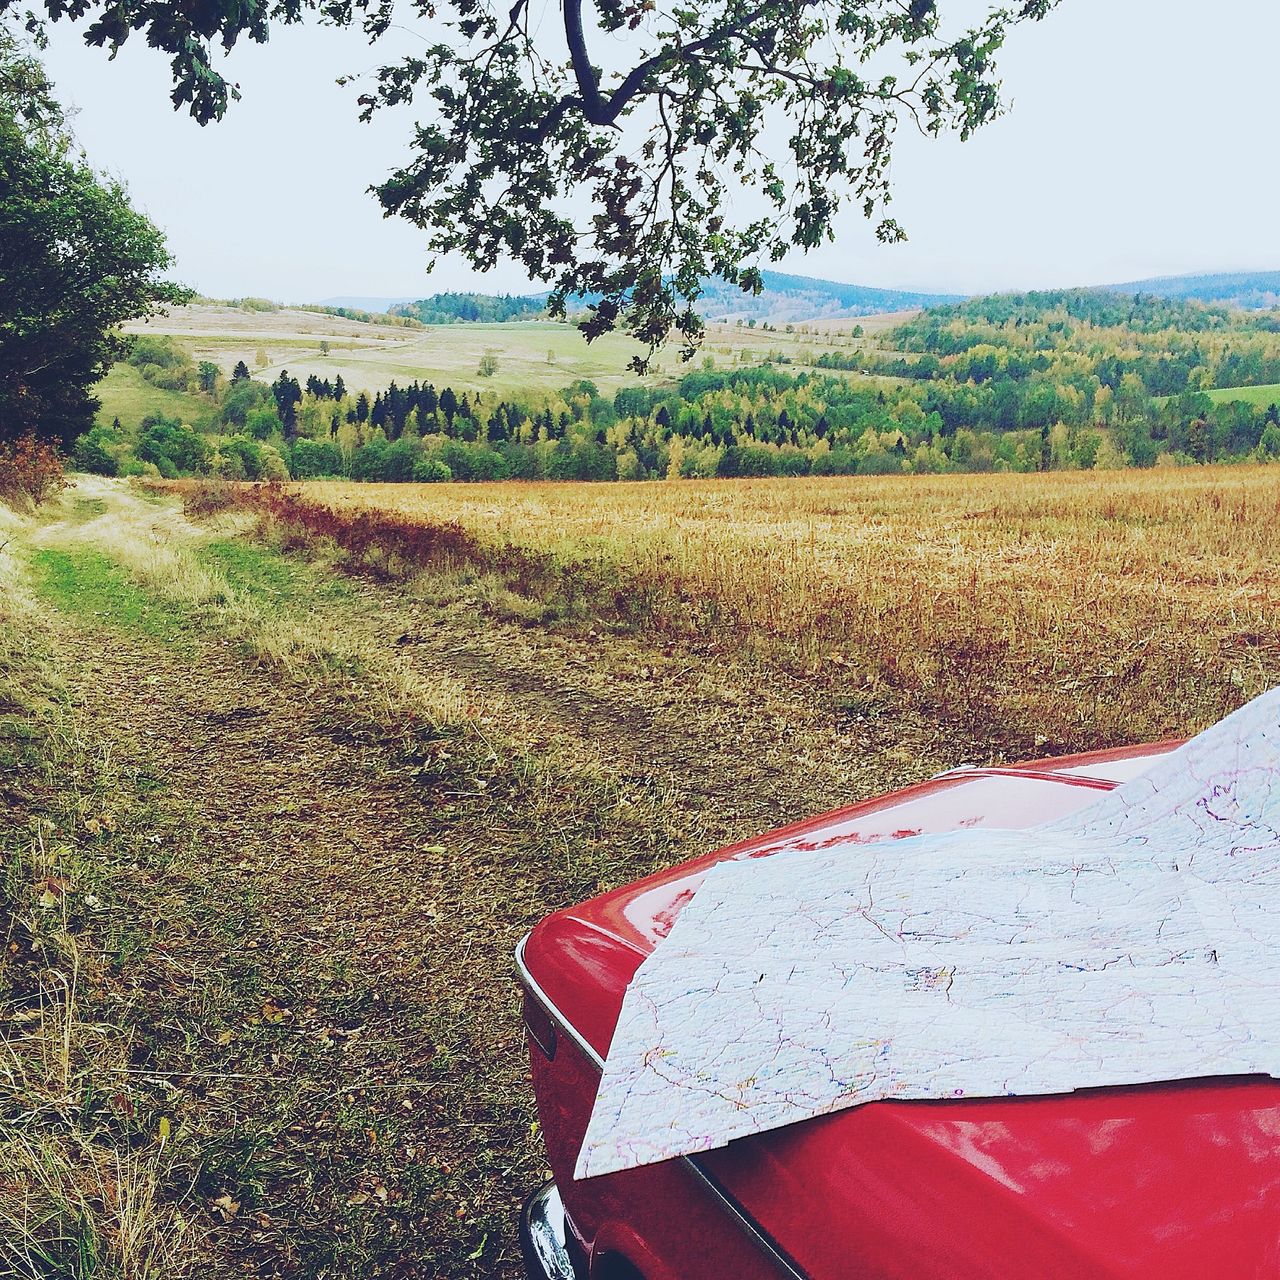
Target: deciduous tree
x=517 y=113
x=76 y=260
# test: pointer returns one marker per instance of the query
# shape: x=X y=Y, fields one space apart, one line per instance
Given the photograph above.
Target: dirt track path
x=734 y=750
x=327 y=997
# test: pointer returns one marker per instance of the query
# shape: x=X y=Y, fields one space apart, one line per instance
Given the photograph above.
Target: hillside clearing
x=532 y=355
x=1263 y=397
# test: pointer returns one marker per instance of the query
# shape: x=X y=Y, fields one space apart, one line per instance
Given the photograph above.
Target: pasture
x=531 y=355
x=125 y=394
x=1259 y=397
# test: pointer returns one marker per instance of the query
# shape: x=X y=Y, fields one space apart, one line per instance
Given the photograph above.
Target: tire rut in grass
x=326 y=998
x=737 y=749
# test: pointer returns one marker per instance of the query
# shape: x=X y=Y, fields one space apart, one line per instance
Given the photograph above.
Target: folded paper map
x=1136 y=941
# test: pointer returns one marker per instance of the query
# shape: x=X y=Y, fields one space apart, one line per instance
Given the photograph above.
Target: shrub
x=263 y=421
x=229 y=466
x=274 y=466
x=243 y=396
x=30 y=471
x=208 y=497
x=171 y=447
x=309 y=459
x=244 y=452
x=472 y=461
x=431 y=471
x=163 y=363
x=399 y=459
x=367 y=461
x=157 y=350
x=93 y=452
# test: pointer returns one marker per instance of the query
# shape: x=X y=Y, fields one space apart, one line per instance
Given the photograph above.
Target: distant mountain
x=785 y=298
x=799 y=298
x=1251 y=290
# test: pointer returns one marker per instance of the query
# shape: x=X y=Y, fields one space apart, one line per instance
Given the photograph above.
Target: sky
x=1139 y=143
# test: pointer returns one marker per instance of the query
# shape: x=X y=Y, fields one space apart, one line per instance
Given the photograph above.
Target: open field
x=1082 y=608
x=285 y=776
x=1258 y=396
x=125 y=394
x=532 y=355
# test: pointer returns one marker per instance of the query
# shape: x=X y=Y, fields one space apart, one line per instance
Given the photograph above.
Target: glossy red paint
x=1171 y=1181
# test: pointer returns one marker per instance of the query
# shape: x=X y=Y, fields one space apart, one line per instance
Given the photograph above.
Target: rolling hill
x=784 y=299
x=1250 y=290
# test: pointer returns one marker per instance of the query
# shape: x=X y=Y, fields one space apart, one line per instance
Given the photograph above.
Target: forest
x=1027 y=382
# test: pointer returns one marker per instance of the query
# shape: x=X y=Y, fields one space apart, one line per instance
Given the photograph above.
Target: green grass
x=267 y=575
x=86 y=582
x=1261 y=397
x=125 y=394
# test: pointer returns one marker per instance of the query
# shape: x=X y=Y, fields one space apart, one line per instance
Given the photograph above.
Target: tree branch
x=601 y=111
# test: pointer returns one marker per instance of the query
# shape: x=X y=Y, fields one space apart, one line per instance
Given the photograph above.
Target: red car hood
x=1165 y=1181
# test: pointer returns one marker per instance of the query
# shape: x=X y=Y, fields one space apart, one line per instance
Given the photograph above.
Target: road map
x=1135 y=941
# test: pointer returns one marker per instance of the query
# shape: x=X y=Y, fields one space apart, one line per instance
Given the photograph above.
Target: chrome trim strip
x=531 y=985
x=750 y=1227
x=758 y=1236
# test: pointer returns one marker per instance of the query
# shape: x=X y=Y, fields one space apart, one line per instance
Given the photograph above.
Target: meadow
x=1071 y=610
x=1260 y=397
x=532 y=355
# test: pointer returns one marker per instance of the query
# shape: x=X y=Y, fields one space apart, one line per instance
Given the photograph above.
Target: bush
x=310 y=459
x=368 y=459
x=748 y=460
x=473 y=461
x=399 y=459
x=171 y=447
x=30 y=471
x=241 y=459
x=263 y=421
x=229 y=466
x=431 y=471
x=158 y=350
x=93 y=452
x=243 y=396
x=208 y=497
x=163 y=363
x=274 y=466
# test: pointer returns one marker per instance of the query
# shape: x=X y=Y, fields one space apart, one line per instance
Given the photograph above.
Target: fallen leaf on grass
x=52 y=890
x=227 y=1207
x=273 y=1011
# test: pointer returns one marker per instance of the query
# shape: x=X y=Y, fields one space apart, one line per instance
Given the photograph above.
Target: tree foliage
x=75 y=261
x=734 y=131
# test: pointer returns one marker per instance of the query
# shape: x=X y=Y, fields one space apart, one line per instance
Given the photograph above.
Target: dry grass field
x=285 y=775
x=1083 y=609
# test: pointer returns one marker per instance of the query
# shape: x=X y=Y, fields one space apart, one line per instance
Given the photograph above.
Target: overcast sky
x=1141 y=142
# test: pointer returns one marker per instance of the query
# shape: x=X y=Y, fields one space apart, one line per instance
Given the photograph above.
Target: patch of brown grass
x=1086 y=609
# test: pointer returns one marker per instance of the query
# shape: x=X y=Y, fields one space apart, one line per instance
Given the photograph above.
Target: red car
x=1157 y=1182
